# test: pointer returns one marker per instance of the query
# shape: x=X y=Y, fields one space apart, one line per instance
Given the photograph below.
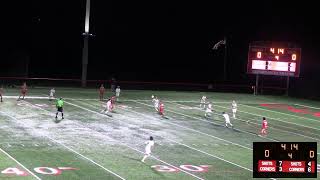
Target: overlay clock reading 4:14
x=284 y=159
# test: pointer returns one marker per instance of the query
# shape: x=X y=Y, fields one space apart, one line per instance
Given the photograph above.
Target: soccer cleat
x=62 y=117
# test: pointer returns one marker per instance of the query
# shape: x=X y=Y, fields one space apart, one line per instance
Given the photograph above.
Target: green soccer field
x=91 y=145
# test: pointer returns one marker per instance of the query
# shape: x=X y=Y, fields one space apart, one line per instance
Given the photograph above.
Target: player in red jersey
x=264 y=126
x=101 y=92
x=109 y=106
x=23 y=90
x=161 y=109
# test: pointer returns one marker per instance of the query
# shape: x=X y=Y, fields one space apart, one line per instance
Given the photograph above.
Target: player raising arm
x=23 y=90
x=149 y=145
x=101 y=92
x=234 y=109
x=227 y=119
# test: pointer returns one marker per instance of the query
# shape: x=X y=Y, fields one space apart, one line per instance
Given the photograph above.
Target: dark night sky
x=152 y=40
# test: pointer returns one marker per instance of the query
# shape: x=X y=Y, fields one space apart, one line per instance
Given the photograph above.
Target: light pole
x=85 y=46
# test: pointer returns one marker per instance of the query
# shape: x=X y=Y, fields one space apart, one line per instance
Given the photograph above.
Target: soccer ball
x=152 y=96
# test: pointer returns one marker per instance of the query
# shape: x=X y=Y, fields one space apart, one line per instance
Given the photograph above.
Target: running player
x=161 y=109
x=23 y=90
x=101 y=92
x=117 y=93
x=208 y=112
x=1 y=92
x=149 y=145
x=234 y=109
x=155 y=101
x=227 y=119
x=51 y=94
x=59 y=106
x=264 y=127
x=203 y=102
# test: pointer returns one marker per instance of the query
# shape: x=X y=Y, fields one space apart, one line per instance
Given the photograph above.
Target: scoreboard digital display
x=285 y=160
x=272 y=59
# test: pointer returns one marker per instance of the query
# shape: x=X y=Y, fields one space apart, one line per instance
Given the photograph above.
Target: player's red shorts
x=161 y=111
x=23 y=92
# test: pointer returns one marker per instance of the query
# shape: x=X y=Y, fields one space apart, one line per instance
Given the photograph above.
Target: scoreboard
x=271 y=59
x=285 y=160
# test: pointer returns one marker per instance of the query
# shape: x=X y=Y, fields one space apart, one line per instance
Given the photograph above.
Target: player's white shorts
x=117 y=94
x=234 y=110
x=147 y=151
x=208 y=111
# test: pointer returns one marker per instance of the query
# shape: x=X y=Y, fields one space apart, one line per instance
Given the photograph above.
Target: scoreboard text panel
x=271 y=60
x=284 y=159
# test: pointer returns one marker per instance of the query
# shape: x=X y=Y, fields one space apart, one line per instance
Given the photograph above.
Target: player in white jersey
x=149 y=145
x=208 y=111
x=227 y=119
x=155 y=101
x=234 y=109
x=117 y=93
x=51 y=94
x=203 y=102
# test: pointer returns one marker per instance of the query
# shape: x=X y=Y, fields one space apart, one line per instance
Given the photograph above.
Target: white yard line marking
x=70 y=149
x=195 y=149
x=114 y=139
x=307 y=106
x=125 y=100
x=90 y=160
x=286 y=114
x=4 y=152
x=194 y=129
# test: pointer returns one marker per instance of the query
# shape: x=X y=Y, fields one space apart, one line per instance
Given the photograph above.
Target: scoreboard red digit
x=285 y=160
x=271 y=59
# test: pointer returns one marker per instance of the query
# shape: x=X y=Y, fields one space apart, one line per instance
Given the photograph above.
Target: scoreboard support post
x=257 y=85
x=288 y=81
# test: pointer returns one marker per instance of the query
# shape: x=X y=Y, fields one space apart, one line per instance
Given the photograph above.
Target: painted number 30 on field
x=190 y=168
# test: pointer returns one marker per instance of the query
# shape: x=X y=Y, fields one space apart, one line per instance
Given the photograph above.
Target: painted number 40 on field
x=40 y=170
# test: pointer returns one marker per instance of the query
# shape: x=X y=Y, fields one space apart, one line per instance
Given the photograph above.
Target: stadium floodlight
x=218 y=44
x=215 y=47
x=86 y=35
